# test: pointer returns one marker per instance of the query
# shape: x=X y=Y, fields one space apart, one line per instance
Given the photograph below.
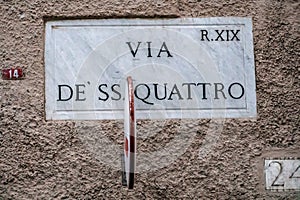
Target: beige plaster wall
x=59 y=159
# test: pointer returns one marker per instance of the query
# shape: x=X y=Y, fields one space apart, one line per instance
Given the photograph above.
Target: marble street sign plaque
x=181 y=68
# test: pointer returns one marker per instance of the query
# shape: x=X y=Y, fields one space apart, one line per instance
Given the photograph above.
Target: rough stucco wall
x=51 y=160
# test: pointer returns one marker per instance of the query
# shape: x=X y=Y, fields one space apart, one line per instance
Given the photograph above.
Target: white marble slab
x=182 y=68
x=282 y=174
